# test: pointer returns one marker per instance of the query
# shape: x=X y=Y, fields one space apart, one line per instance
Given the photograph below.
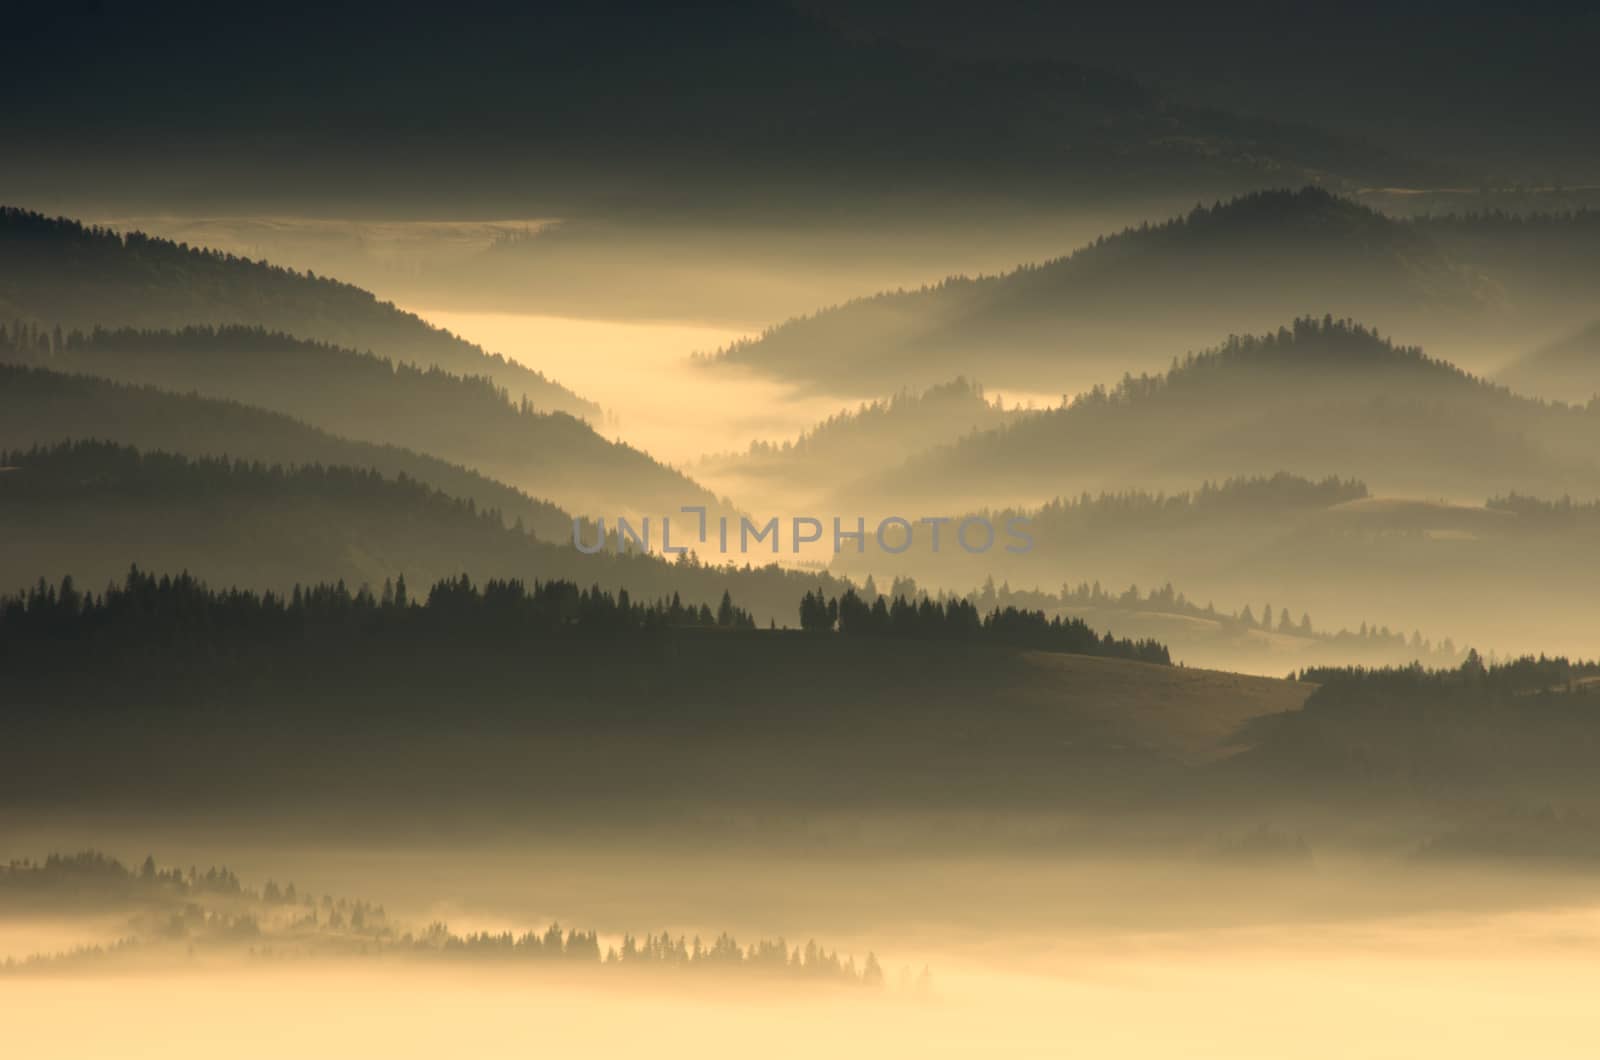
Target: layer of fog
x=638 y=372
x=1029 y=957
x=1328 y=1001
x=733 y=272
x=656 y=400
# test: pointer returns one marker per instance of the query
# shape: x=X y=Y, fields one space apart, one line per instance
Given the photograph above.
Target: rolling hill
x=43 y=407
x=58 y=273
x=871 y=437
x=1512 y=574
x=93 y=509
x=1322 y=398
x=661 y=720
x=1117 y=304
x=463 y=420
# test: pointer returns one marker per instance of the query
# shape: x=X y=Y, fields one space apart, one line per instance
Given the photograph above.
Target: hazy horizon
x=795 y=528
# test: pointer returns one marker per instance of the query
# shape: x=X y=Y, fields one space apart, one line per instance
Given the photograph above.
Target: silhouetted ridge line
x=955 y=618
x=58 y=271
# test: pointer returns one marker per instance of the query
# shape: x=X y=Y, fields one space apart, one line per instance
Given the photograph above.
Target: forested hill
x=1102 y=532
x=872 y=436
x=1523 y=729
x=899 y=423
x=1323 y=397
x=183 y=617
x=59 y=272
x=506 y=701
x=92 y=509
x=1242 y=264
x=38 y=406
x=468 y=421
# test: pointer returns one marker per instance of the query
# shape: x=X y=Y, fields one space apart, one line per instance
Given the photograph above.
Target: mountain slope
x=1540 y=261
x=643 y=719
x=1511 y=573
x=1323 y=398
x=465 y=420
x=868 y=438
x=41 y=406
x=57 y=272
x=93 y=509
x=1113 y=305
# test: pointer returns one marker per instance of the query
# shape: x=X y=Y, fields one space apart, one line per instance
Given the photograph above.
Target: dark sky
x=684 y=105
x=1508 y=86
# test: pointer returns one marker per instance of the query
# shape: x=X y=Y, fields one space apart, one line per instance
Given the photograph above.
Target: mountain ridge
x=1268 y=254
x=1323 y=397
x=467 y=420
x=58 y=272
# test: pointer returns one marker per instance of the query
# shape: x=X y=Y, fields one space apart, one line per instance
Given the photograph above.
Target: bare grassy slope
x=615 y=731
x=1178 y=713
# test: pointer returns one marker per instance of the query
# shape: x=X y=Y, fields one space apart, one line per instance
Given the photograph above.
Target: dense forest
x=467 y=420
x=268 y=526
x=57 y=272
x=501 y=695
x=900 y=616
x=184 y=615
x=1521 y=732
x=1523 y=683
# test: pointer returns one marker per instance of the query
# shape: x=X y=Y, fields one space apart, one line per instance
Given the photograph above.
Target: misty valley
x=784 y=529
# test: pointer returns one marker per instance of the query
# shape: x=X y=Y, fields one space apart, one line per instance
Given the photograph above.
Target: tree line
x=281 y=918
x=184 y=613
x=1566 y=512
x=183 y=609
x=461 y=416
x=246 y=346
x=852 y=615
x=1524 y=682
x=1168 y=600
x=898 y=418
